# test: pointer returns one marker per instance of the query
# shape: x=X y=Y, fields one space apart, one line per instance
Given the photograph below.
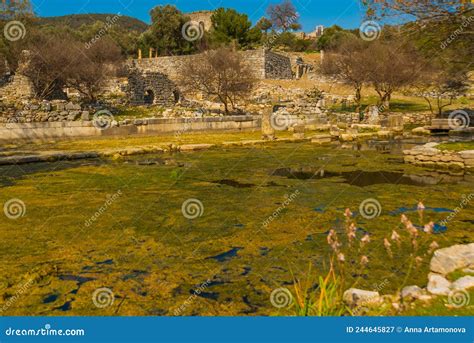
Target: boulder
x=321 y=139
x=420 y=131
x=85 y=116
x=354 y=297
x=449 y=259
x=464 y=282
x=195 y=147
x=411 y=292
x=72 y=107
x=384 y=134
x=73 y=115
x=46 y=106
x=431 y=145
x=438 y=284
x=467 y=154
x=346 y=137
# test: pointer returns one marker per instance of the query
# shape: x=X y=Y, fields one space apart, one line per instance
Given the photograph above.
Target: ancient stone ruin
x=151 y=88
x=203 y=18
x=264 y=63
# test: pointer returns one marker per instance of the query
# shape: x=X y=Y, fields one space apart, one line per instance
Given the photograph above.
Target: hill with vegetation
x=75 y=21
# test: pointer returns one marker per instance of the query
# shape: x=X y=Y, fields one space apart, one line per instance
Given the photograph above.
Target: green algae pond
x=215 y=232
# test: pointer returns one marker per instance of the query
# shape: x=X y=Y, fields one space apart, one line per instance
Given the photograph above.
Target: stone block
x=354 y=297
x=449 y=259
x=437 y=284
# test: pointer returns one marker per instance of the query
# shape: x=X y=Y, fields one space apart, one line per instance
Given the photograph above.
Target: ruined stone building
x=203 y=18
x=151 y=88
x=154 y=80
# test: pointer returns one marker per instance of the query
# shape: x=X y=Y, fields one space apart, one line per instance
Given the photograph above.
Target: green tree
x=166 y=32
x=264 y=24
x=332 y=37
x=10 y=49
x=229 y=26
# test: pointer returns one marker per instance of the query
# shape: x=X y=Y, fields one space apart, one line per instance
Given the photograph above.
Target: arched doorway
x=177 y=96
x=149 y=97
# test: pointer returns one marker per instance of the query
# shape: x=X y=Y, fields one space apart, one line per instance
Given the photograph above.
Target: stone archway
x=151 y=88
x=149 y=97
x=177 y=96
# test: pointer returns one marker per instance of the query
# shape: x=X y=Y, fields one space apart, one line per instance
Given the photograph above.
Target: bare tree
x=221 y=74
x=89 y=68
x=421 y=10
x=44 y=62
x=284 y=16
x=391 y=65
x=52 y=64
x=347 y=62
x=440 y=87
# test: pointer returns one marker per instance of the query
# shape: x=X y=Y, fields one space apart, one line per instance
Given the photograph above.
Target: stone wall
x=68 y=130
x=265 y=64
x=277 y=66
x=202 y=17
x=45 y=111
x=152 y=88
x=19 y=87
x=414 y=118
x=429 y=156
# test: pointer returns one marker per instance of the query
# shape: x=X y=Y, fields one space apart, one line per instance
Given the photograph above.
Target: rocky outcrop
x=447 y=260
x=358 y=297
x=429 y=156
x=412 y=292
x=438 y=284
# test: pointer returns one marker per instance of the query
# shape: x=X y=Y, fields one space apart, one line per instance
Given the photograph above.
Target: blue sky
x=345 y=13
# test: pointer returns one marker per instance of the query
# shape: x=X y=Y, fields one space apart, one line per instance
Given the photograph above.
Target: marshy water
x=120 y=224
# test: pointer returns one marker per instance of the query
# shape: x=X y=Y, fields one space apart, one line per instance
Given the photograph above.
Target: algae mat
x=212 y=232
